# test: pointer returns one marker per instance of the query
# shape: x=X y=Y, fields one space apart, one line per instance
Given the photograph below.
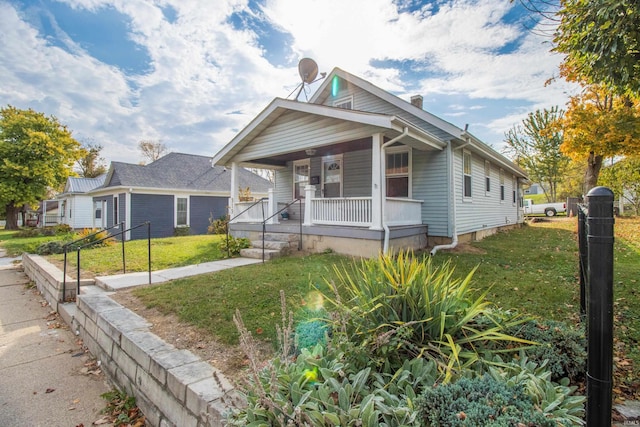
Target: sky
x=191 y=74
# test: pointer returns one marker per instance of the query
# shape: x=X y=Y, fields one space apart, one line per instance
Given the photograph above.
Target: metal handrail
x=147 y=223
x=68 y=245
x=264 y=222
x=236 y=216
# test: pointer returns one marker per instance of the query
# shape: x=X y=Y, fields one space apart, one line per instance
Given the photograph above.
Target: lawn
x=533 y=270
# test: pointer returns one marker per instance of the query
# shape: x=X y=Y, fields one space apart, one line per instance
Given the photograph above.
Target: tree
x=36 y=153
x=535 y=146
x=623 y=178
x=91 y=165
x=601 y=41
x=151 y=150
x=600 y=124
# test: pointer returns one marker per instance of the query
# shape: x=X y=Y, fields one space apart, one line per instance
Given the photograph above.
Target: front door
x=332 y=176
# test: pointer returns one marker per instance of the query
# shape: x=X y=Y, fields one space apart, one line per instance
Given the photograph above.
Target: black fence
x=595 y=241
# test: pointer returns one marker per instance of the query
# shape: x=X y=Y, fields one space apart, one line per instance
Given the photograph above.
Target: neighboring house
x=374 y=172
x=45 y=216
x=534 y=189
x=76 y=206
x=177 y=190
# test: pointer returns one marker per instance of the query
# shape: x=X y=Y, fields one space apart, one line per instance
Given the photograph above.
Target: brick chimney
x=417 y=101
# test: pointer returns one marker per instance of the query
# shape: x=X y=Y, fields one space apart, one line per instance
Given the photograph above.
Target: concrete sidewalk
x=123 y=281
x=44 y=378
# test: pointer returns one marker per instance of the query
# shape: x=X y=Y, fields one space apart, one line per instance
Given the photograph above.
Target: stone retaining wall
x=172 y=387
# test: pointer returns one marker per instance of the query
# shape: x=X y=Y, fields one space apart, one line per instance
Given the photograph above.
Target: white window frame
x=408 y=174
x=487 y=178
x=514 y=190
x=175 y=210
x=296 y=163
x=503 y=194
x=116 y=209
x=467 y=154
x=338 y=103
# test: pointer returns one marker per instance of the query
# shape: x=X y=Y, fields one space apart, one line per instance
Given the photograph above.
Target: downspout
x=454 y=240
x=383 y=186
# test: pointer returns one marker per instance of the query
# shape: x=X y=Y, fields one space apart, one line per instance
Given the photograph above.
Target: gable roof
x=83 y=185
x=428 y=132
x=179 y=171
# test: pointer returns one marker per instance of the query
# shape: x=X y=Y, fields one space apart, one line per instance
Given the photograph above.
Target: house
x=76 y=206
x=372 y=172
x=178 y=190
x=45 y=216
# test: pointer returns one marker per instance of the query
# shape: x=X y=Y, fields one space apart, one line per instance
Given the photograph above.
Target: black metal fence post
x=122 y=237
x=149 y=247
x=582 y=266
x=600 y=307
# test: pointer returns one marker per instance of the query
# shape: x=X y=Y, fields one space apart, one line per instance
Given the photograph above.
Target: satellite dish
x=308 y=70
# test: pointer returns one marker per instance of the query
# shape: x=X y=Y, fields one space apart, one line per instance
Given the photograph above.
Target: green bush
x=28 y=232
x=218 y=226
x=562 y=345
x=235 y=244
x=49 y=248
x=182 y=231
x=312 y=328
x=400 y=308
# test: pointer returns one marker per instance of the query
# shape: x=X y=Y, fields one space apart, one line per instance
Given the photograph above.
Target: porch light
x=310 y=151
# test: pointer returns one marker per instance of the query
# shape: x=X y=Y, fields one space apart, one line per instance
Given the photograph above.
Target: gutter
x=383 y=186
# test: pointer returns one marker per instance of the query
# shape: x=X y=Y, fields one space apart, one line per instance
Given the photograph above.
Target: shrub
x=59 y=229
x=92 y=238
x=49 y=248
x=218 y=226
x=562 y=345
x=481 y=401
x=399 y=308
x=235 y=244
x=28 y=232
x=182 y=231
x=311 y=328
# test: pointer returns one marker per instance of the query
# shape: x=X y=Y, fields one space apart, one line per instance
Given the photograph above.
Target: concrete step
x=280 y=237
x=256 y=253
x=270 y=244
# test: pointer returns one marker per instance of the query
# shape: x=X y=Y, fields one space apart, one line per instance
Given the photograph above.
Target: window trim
x=487 y=178
x=306 y=162
x=408 y=174
x=467 y=154
x=116 y=207
x=514 y=190
x=346 y=99
x=175 y=210
x=503 y=194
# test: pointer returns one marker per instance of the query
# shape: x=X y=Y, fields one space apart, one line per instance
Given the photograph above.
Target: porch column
x=234 y=189
x=309 y=193
x=376 y=181
x=272 y=207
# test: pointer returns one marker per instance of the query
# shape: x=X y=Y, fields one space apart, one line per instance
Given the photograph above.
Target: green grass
x=209 y=301
x=165 y=253
x=18 y=245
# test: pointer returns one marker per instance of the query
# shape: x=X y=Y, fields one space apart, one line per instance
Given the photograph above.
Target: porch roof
x=390 y=125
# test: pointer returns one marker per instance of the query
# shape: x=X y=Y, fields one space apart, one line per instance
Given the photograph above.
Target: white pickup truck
x=548 y=209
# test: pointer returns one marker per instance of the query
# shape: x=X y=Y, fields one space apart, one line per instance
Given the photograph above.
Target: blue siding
x=357 y=174
x=158 y=209
x=202 y=208
x=430 y=184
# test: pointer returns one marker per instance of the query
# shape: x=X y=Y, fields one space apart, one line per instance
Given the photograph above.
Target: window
x=501 y=185
x=466 y=174
x=98 y=210
x=181 y=211
x=397 y=173
x=115 y=210
x=514 y=191
x=300 y=178
x=346 y=103
x=487 y=177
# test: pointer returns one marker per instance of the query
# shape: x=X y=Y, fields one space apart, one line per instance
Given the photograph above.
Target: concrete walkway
x=123 y=281
x=44 y=380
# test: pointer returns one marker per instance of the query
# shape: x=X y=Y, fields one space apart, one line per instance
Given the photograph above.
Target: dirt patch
x=465 y=248
x=230 y=359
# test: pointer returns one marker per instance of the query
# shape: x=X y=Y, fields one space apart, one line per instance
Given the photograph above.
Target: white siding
x=482 y=211
x=78 y=211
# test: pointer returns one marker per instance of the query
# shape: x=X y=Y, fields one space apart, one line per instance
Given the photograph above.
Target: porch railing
x=253 y=211
x=403 y=211
x=355 y=211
